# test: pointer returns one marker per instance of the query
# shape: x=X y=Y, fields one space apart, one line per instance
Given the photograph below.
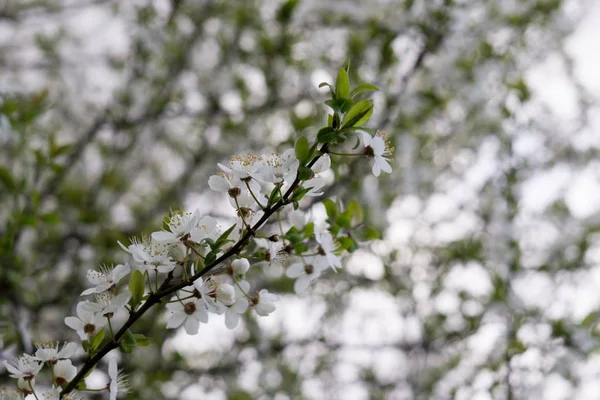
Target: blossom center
x=189 y=308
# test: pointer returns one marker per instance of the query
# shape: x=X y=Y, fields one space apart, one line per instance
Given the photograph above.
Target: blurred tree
x=113 y=112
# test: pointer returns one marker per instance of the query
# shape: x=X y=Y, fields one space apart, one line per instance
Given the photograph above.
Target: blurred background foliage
x=482 y=285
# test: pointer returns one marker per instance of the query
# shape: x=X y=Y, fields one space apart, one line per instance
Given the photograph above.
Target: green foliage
x=137 y=287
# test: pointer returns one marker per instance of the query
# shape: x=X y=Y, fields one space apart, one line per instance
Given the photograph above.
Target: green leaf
x=55 y=150
x=7 y=180
x=305 y=173
x=359 y=114
x=141 y=340
x=340 y=105
x=363 y=87
x=223 y=238
x=342 y=84
x=309 y=230
x=302 y=149
x=355 y=211
x=326 y=135
x=50 y=218
x=286 y=11
x=300 y=192
x=97 y=340
x=137 y=288
x=370 y=233
x=331 y=209
x=127 y=342
x=347 y=243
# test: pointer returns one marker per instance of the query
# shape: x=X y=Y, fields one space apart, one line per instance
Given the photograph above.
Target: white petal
x=164 y=237
x=218 y=183
x=384 y=165
x=295 y=270
x=175 y=320
x=224 y=168
x=378 y=145
x=365 y=138
x=120 y=272
x=201 y=312
x=191 y=326
x=231 y=319
x=119 y=301
x=74 y=323
x=113 y=390
x=12 y=369
x=164 y=268
x=240 y=306
x=68 y=351
x=301 y=284
x=376 y=169
x=112 y=369
x=88 y=291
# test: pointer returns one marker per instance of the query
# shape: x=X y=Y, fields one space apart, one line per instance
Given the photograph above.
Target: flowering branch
x=195 y=243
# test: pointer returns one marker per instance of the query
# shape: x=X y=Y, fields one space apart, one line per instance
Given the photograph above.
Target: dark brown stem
x=165 y=289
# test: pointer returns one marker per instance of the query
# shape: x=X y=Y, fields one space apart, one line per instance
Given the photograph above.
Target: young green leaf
x=326 y=135
x=97 y=340
x=363 y=87
x=331 y=209
x=141 y=340
x=342 y=84
x=358 y=114
x=137 y=288
x=302 y=149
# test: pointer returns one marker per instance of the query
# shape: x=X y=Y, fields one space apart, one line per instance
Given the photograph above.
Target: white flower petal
x=112 y=369
x=218 y=183
x=164 y=237
x=176 y=319
x=191 y=326
x=231 y=319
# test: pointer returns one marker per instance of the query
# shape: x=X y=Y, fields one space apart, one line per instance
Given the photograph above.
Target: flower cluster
x=196 y=267
x=26 y=368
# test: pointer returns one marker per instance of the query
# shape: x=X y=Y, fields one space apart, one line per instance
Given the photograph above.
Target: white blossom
x=151 y=255
x=241 y=166
x=49 y=351
x=189 y=313
x=327 y=247
x=378 y=148
x=87 y=323
x=231 y=184
x=26 y=367
x=118 y=381
x=232 y=314
x=306 y=271
x=107 y=304
x=278 y=169
x=322 y=164
x=264 y=302
x=315 y=184
x=297 y=218
x=240 y=266
x=205 y=229
x=64 y=371
x=180 y=225
x=105 y=279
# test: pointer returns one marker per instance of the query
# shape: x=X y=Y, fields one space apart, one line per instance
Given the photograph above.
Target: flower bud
x=178 y=252
x=24 y=386
x=240 y=266
x=226 y=294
